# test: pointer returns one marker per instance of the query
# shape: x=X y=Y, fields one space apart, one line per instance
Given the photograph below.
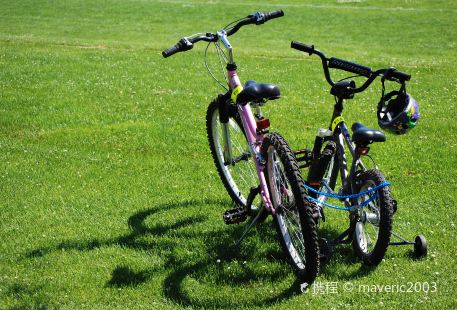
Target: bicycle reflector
x=362 y=150
x=263 y=124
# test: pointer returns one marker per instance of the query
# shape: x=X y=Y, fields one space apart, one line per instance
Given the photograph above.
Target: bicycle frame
x=341 y=136
x=254 y=137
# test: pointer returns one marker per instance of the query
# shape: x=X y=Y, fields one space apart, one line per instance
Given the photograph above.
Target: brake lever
x=259 y=17
x=186 y=44
x=387 y=74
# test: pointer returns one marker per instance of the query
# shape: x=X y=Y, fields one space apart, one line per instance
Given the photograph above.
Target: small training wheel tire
x=420 y=246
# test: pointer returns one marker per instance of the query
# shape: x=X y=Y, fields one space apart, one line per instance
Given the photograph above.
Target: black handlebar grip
x=183 y=45
x=402 y=76
x=302 y=47
x=172 y=50
x=349 y=66
x=274 y=14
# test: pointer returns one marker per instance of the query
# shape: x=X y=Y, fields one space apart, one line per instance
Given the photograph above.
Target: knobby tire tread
x=304 y=206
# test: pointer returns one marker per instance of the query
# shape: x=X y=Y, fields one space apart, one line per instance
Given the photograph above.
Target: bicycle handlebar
x=390 y=74
x=304 y=48
x=402 y=76
x=186 y=44
x=349 y=66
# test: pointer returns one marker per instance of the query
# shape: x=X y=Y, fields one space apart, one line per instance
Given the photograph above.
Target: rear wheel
x=239 y=176
x=372 y=224
x=293 y=217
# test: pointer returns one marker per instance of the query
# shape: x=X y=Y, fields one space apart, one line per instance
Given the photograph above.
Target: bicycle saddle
x=256 y=92
x=365 y=135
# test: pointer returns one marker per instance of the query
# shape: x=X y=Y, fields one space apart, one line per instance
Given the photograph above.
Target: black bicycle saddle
x=362 y=135
x=256 y=92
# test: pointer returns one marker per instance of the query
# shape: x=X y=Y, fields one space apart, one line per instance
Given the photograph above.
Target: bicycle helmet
x=398 y=112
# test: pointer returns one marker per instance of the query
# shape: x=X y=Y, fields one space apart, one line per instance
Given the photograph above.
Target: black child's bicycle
x=365 y=192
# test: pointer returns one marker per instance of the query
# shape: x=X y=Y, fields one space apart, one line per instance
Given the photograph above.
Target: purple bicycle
x=253 y=162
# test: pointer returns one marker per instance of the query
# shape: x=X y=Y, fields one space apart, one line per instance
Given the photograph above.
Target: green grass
x=109 y=197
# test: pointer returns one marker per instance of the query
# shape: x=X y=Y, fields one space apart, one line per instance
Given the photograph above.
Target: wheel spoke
x=299 y=237
x=372 y=231
x=284 y=198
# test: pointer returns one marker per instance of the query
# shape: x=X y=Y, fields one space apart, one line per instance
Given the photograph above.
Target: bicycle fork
x=228 y=158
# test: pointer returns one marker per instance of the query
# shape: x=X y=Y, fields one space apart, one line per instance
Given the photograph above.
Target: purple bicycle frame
x=254 y=139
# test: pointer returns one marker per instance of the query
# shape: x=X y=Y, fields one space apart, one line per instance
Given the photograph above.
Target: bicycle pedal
x=304 y=155
x=235 y=216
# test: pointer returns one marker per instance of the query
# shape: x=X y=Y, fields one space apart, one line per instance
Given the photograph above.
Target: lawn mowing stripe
x=314 y=6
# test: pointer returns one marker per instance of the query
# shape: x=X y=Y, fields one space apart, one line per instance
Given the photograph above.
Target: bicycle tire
x=294 y=213
x=377 y=216
x=238 y=179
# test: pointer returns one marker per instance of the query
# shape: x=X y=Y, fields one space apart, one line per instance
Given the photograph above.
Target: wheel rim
x=241 y=177
x=367 y=226
x=287 y=214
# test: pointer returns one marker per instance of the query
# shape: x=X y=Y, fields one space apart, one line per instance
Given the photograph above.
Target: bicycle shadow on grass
x=137 y=227
x=202 y=265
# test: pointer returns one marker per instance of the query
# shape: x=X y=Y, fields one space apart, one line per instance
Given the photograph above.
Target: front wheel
x=372 y=224
x=240 y=175
x=293 y=218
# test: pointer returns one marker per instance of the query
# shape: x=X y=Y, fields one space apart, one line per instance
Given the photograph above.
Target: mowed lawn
x=108 y=194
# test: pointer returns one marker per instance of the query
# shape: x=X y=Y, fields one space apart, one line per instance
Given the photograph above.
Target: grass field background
x=109 y=197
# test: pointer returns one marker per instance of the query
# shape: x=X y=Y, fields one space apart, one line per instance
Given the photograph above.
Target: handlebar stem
x=222 y=35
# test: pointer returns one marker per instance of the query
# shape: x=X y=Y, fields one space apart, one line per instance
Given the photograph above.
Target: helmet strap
x=386 y=97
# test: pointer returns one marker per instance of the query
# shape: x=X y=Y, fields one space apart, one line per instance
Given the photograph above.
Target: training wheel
x=420 y=246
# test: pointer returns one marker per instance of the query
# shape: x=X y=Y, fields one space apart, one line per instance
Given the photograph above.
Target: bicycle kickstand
x=254 y=191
